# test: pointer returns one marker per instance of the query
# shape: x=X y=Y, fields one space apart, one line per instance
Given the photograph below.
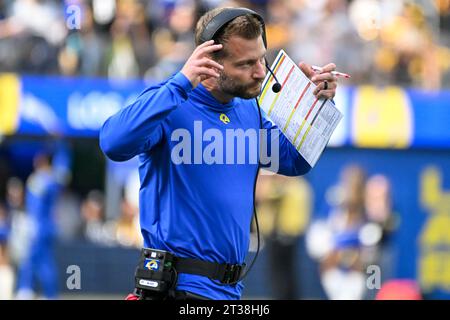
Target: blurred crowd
x=38 y=214
x=349 y=243
x=355 y=238
x=284 y=208
x=376 y=41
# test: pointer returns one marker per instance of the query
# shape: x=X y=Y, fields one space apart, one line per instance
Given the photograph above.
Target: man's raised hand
x=200 y=66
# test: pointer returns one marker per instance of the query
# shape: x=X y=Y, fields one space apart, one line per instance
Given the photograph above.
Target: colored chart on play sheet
x=306 y=121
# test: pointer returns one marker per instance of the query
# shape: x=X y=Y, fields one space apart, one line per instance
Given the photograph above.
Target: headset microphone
x=277 y=86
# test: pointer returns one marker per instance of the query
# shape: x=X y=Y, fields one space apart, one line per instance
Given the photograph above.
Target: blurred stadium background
x=375 y=212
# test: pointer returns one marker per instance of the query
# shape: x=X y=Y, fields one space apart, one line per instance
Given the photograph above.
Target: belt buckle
x=232 y=273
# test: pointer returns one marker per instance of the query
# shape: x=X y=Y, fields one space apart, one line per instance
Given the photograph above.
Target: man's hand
x=199 y=66
x=325 y=81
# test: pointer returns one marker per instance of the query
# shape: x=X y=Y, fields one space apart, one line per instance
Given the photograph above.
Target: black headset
x=219 y=21
x=210 y=32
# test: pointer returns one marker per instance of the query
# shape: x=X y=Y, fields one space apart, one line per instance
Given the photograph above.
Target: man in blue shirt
x=43 y=187
x=197 y=182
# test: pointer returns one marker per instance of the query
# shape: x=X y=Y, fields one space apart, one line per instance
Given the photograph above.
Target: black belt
x=226 y=273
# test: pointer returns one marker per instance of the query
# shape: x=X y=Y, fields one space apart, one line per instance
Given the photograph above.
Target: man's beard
x=231 y=87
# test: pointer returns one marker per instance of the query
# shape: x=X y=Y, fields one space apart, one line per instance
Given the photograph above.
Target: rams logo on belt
x=151 y=264
x=223 y=117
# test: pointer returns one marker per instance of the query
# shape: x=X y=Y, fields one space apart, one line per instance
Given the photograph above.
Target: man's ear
x=219 y=55
x=217 y=59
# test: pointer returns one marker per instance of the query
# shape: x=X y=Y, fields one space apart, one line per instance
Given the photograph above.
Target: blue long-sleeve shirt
x=197 y=208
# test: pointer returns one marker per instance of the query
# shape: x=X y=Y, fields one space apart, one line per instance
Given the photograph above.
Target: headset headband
x=221 y=19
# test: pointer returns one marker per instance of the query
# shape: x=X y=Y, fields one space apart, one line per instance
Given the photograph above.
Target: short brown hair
x=247 y=27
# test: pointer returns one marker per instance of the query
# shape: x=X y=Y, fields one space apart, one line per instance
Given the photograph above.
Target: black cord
x=254 y=212
x=175 y=280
